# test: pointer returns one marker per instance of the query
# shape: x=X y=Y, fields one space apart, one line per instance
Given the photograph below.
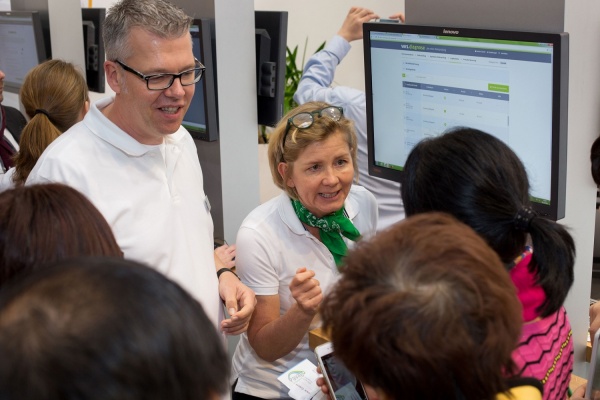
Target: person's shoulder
x=362 y=193
x=68 y=152
x=6 y=181
x=362 y=203
x=67 y=141
x=264 y=214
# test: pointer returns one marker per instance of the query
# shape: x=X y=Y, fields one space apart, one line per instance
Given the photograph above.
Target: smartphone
x=592 y=390
x=341 y=382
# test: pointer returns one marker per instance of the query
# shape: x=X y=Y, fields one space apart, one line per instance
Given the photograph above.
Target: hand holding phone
x=340 y=381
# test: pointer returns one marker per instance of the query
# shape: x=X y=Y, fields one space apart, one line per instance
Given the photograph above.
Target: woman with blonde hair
x=289 y=249
x=55 y=97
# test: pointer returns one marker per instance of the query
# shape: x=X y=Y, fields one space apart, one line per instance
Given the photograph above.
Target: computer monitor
x=423 y=80
x=271 y=45
x=21 y=46
x=93 y=20
x=201 y=119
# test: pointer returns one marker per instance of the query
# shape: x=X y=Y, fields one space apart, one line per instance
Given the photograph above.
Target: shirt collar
x=108 y=131
x=289 y=217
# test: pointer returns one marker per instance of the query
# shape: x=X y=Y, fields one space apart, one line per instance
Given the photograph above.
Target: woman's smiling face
x=322 y=174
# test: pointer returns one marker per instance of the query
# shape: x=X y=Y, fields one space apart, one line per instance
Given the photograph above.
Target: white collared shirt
x=155 y=205
x=270 y=246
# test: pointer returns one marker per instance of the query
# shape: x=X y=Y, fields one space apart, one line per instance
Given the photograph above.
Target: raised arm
x=352 y=27
x=320 y=68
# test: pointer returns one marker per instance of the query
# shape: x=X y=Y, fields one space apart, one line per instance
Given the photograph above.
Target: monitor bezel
x=275 y=23
x=207 y=85
x=96 y=79
x=556 y=209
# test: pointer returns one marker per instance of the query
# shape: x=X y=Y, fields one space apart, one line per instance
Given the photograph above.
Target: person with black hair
x=102 y=328
x=478 y=179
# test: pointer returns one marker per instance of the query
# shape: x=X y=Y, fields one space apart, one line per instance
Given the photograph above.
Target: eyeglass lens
x=305 y=119
x=164 y=81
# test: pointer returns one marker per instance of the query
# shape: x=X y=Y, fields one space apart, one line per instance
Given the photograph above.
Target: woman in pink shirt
x=481 y=181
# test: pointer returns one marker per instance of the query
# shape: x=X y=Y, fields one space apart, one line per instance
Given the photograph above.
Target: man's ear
x=113 y=76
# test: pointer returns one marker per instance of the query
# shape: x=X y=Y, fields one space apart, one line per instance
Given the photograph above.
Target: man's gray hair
x=158 y=17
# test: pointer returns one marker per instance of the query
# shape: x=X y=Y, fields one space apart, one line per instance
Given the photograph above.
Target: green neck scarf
x=331 y=227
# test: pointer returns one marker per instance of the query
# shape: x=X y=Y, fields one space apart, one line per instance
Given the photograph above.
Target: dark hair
x=103 y=329
x=40 y=224
x=595 y=159
x=481 y=181
x=425 y=310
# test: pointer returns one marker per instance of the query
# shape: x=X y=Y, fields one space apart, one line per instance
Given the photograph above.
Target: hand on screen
x=352 y=27
x=398 y=16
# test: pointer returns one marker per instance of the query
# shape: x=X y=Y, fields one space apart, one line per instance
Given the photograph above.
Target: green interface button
x=495 y=87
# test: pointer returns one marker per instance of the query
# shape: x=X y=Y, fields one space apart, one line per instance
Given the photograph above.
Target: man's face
x=149 y=115
x=2 y=76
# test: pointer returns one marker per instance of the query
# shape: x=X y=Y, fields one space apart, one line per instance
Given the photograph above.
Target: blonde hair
x=299 y=139
x=58 y=88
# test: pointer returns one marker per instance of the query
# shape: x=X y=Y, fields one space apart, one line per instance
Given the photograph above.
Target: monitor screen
x=421 y=81
x=21 y=46
x=201 y=118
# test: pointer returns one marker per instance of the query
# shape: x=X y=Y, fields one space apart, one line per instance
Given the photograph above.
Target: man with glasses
x=315 y=86
x=132 y=158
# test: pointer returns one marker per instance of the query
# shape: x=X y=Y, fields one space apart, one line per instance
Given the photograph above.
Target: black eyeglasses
x=164 y=81
x=305 y=119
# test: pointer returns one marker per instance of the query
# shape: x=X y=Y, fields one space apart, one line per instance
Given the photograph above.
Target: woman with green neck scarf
x=290 y=248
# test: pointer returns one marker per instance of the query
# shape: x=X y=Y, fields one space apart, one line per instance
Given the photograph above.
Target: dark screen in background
x=195 y=118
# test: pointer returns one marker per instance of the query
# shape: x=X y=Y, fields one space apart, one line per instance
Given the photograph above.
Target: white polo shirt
x=152 y=197
x=270 y=246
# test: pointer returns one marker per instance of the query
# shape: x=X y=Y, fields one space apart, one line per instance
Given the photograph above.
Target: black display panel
x=423 y=80
x=271 y=45
x=93 y=47
x=201 y=119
